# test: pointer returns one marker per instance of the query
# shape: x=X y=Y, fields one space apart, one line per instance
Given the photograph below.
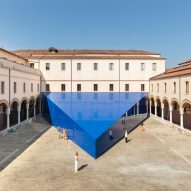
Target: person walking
x=64 y=135
x=126 y=138
x=60 y=130
x=76 y=162
x=110 y=134
x=142 y=127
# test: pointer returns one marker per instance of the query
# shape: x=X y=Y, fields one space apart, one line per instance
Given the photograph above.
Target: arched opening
x=158 y=107
x=166 y=110
x=31 y=108
x=14 y=113
x=3 y=116
x=38 y=106
x=23 y=110
x=152 y=106
x=187 y=116
x=175 y=113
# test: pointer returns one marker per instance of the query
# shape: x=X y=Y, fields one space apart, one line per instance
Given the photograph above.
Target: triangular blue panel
x=88 y=117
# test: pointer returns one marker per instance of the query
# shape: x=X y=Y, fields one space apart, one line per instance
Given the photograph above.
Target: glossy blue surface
x=89 y=116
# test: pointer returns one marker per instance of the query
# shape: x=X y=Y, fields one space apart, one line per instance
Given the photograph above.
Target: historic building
x=95 y=70
x=24 y=74
x=19 y=91
x=170 y=95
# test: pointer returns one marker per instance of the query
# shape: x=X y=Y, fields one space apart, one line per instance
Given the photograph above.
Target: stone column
x=34 y=109
x=8 y=120
x=162 y=111
x=170 y=110
x=138 y=108
x=155 y=109
x=27 y=107
x=19 y=114
x=181 y=118
x=150 y=107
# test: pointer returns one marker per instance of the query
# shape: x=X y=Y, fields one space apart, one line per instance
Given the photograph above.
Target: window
x=24 y=87
x=187 y=87
x=174 y=87
x=126 y=66
x=152 y=88
x=32 y=65
x=63 y=66
x=2 y=87
x=165 y=87
x=15 y=87
x=47 y=87
x=47 y=66
x=31 y=87
x=154 y=66
x=78 y=66
x=63 y=87
x=79 y=87
x=95 y=87
x=38 y=87
x=142 y=87
x=110 y=87
x=111 y=66
x=157 y=88
x=95 y=66
x=142 y=66
x=126 y=87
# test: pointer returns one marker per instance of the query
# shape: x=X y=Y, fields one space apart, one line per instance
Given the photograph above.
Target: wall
x=103 y=76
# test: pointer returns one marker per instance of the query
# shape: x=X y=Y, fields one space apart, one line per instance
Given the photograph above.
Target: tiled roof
x=177 y=71
x=14 y=54
x=96 y=57
x=89 y=53
x=185 y=62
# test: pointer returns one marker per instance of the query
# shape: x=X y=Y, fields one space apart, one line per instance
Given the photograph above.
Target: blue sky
x=155 y=25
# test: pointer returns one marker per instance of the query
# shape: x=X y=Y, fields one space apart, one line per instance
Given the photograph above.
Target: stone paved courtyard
x=157 y=159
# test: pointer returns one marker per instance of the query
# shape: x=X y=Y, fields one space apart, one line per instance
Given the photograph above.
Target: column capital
x=170 y=108
x=27 y=105
x=162 y=106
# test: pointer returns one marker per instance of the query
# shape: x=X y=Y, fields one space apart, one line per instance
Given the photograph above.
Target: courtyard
x=158 y=158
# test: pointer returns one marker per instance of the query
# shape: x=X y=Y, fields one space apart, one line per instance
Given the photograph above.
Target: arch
x=15 y=100
x=158 y=103
x=165 y=99
x=152 y=107
x=166 y=112
x=157 y=98
x=3 y=101
x=3 y=115
x=152 y=97
x=31 y=107
x=174 y=100
x=38 y=96
x=38 y=103
x=14 y=113
x=175 y=111
x=31 y=98
x=24 y=98
x=23 y=114
x=185 y=102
